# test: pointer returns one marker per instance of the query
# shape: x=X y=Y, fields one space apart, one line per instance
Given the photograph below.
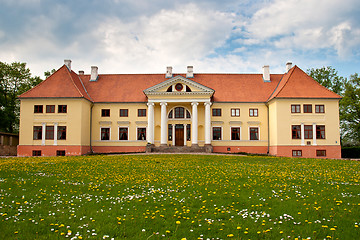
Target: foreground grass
x=179 y=196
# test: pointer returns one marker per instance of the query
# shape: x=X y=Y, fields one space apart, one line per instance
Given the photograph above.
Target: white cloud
x=307 y=24
x=170 y=37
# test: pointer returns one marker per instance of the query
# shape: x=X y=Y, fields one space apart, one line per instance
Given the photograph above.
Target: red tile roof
x=297 y=84
x=228 y=87
x=61 y=84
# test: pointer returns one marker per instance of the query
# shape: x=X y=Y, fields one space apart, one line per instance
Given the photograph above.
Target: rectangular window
x=36 y=153
x=216 y=112
x=295 y=108
x=319 y=109
x=49 y=133
x=61 y=133
x=254 y=133
x=62 y=108
x=296 y=153
x=296 y=131
x=38 y=108
x=188 y=132
x=124 y=112
x=235 y=133
x=123 y=133
x=216 y=133
x=60 y=152
x=105 y=134
x=235 y=112
x=50 y=108
x=37 y=133
x=141 y=134
x=141 y=112
x=308 y=131
x=307 y=108
x=253 y=112
x=105 y=112
x=320 y=132
x=321 y=153
x=170 y=132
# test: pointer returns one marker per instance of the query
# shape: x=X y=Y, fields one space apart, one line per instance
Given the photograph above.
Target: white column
x=194 y=123
x=314 y=134
x=150 y=133
x=55 y=133
x=43 y=134
x=302 y=135
x=163 y=140
x=185 y=134
x=207 y=123
x=173 y=134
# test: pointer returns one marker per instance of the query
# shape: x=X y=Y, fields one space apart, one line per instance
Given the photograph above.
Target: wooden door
x=179 y=135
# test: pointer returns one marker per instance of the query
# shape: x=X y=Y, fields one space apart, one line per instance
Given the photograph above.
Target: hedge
x=350 y=152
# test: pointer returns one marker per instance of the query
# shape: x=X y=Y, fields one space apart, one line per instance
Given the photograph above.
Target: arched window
x=179 y=112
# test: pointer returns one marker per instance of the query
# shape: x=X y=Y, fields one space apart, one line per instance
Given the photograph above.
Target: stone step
x=179 y=149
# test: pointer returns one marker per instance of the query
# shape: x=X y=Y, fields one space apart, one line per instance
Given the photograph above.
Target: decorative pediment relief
x=178 y=86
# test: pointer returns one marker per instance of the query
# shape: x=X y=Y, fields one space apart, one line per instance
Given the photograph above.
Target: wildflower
x=178 y=222
x=230 y=235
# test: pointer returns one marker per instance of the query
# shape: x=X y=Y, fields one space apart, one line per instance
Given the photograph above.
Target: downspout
x=268 y=126
x=91 y=108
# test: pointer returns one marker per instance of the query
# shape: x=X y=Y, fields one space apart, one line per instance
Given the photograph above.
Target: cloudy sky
x=143 y=36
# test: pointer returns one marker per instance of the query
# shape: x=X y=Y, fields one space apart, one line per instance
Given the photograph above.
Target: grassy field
x=178 y=197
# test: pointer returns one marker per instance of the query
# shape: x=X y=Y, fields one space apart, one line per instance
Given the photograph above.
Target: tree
x=49 y=73
x=328 y=77
x=15 y=79
x=350 y=110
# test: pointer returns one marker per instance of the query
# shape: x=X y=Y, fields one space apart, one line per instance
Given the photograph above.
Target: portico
x=184 y=108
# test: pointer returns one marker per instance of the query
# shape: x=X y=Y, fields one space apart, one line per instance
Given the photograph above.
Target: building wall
x=76 y=120
x=281 y=120
x=244 y=121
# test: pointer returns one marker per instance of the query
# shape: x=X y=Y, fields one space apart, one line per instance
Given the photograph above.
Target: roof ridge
x=72 y=80
x=84 y=87
x=42 y=82
x=286 y=81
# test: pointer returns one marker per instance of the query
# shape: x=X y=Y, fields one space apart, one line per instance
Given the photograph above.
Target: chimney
x=168 y=72
x=288 y=66
x=67 y=63
x=94 y=73
x=81 y=72
x=190 y=72
x=266 y=73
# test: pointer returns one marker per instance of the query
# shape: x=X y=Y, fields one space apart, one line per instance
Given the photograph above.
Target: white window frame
x=137 y=129
x=212 y=133
x=127 y=133
x=109 y=133
x=258 y=127
x=231 y=132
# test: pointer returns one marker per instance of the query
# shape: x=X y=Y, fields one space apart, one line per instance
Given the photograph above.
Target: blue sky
x=128 y=36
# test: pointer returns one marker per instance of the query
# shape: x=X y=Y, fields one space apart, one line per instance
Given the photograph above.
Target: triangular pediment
x=178 y=85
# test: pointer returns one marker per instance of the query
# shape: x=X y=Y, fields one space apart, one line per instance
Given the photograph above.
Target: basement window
x=60 y=153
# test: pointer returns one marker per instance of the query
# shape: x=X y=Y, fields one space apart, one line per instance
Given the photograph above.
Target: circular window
x=178 y=87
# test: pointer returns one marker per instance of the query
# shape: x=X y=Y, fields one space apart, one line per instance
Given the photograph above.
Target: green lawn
x=179 y=196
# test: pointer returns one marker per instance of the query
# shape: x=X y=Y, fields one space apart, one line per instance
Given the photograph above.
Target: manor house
x=287 y=114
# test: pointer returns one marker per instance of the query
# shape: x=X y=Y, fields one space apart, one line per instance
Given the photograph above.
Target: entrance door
x=179 y=135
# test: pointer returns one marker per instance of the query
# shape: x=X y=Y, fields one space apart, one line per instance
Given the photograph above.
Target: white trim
x=137 y=127
x=128 y=135
x=178 y=79
x=212 y=134
x=109 y=134
x=258 y=127
x=200 y=100
x=231 y=133
x=173 y=118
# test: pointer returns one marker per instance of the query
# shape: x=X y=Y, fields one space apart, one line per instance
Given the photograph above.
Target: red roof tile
x=61 y=84
x=297 y=84
x=228 y=87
